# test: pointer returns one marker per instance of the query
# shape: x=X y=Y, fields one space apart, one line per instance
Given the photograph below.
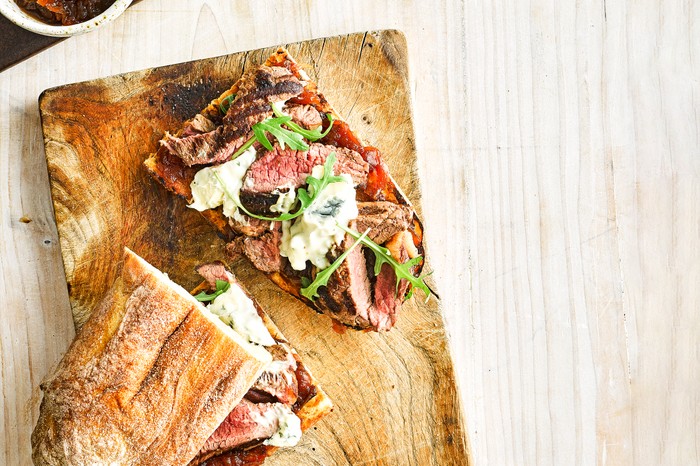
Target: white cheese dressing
x=285 y=201
x=238 y=311
x=207 y=190
x=289 y=431
x=312 y=234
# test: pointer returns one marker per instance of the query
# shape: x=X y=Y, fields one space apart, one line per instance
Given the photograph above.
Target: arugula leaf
x=284 y=136
x=305 y=199
x=221 y=287
x=225 y=104
x=313 y=134
x=243 y=148
x=383 y=256
x=294 y=139
x=310 y=290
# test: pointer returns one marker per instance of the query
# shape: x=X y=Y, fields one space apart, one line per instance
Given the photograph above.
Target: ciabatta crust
x=147 y=380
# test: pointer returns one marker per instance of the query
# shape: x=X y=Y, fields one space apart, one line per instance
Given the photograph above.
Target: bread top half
x=147 y=379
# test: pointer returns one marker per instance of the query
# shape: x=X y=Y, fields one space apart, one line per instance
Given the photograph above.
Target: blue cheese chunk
x=311 y=235
x=238 y=311
x=289 y=431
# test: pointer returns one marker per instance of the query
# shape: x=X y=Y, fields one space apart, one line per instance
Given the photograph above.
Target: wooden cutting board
x=395 y=397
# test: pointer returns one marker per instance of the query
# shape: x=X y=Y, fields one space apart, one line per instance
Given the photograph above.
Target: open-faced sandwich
x=293 y=189
x=154 y=377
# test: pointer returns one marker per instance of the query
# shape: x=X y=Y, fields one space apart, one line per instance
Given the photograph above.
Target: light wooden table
x=559 y=155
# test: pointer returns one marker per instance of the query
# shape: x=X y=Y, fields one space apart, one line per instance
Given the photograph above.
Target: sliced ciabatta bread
x=147 y=380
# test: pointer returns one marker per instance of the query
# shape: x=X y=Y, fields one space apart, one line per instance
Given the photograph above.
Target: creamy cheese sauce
x=207 y=190
x=285 y=201
x=238 y=311
x=289 y=432
x=311 y=235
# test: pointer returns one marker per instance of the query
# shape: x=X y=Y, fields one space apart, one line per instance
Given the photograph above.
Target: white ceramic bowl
x=14 y=13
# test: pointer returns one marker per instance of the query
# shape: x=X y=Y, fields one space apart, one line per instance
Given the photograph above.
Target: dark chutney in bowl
x=64 y=12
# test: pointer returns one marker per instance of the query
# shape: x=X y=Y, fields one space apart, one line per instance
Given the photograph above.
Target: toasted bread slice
x=380 y=187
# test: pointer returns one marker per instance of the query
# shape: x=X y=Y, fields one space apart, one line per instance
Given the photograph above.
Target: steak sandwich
x=292 y=188
x=154 y=377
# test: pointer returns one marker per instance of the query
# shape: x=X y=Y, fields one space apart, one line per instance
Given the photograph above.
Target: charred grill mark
x=281 y=90
x=243 y=120
x=258 y=203
x=183 y=101
x=266 y=86
x=329 y=303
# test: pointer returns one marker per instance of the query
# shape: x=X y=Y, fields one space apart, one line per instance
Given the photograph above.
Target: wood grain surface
x=558 y=151
x=395 y=396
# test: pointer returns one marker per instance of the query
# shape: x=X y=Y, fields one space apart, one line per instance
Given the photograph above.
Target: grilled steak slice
x=387 y=299
x=212 y=272
x=348 y=295
x=246 y=423
x=280 y=168
x=263 y=251
x=202 y=143
x=279 y=380
x=304 y=115
x=249 y=226
x=198 y=125
x=355 y=298
x=205 y=148
x=256 y=91
x=387 y=296
x=384 y=218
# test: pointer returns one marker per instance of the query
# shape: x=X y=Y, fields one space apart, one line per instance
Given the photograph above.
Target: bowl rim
x=11 y=10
